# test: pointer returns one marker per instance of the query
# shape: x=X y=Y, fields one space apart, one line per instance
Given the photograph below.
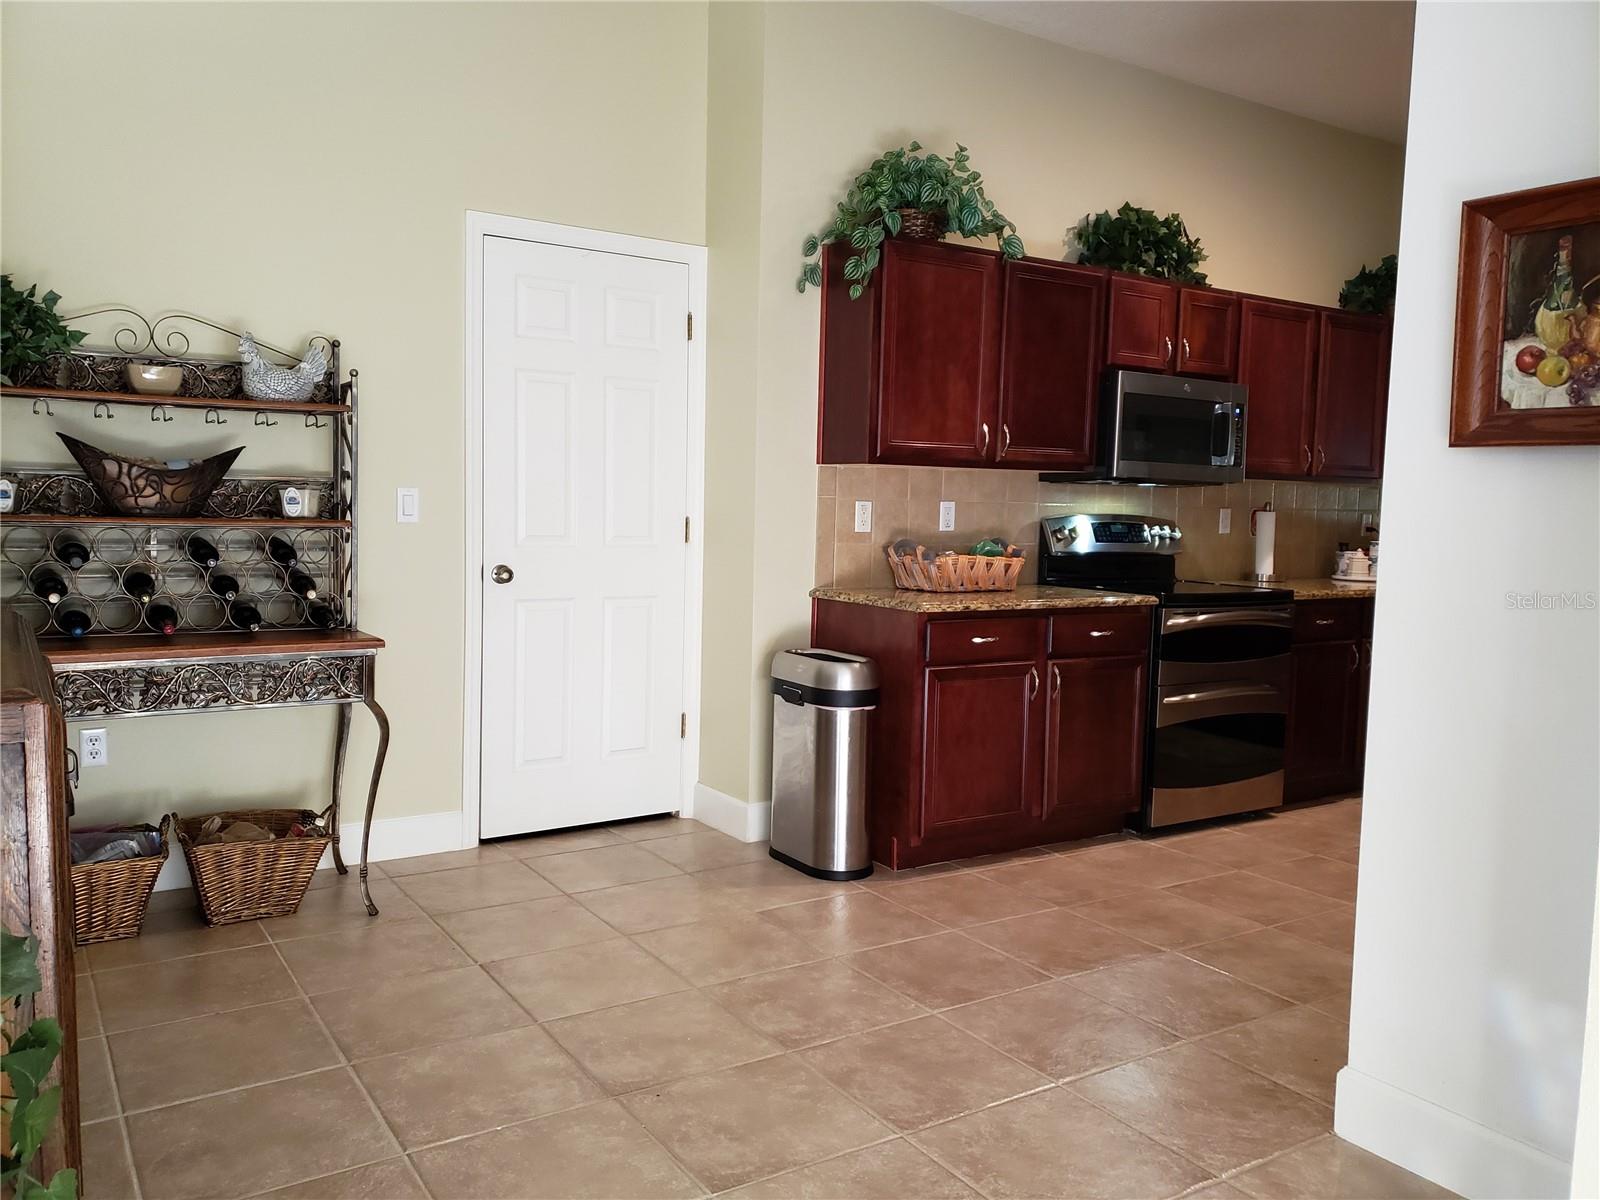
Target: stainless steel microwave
x=1170 y=429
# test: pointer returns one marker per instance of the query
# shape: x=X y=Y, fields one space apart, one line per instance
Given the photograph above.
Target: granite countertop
x=1327 y=589
x=1026 y=597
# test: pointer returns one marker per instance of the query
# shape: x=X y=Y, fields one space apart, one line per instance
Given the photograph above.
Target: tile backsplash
x=1313 y=518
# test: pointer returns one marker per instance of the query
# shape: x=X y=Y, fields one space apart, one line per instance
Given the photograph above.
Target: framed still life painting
x=1527 y=360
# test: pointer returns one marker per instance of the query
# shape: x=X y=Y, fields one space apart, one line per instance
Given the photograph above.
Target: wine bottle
x=73 y=619
x=140 y=584
x=70 y=551
x=225 y=586
x=202 y=551
x=48 y=585
x=323 y=616
x=282 y=552
x=244 y=615
x=302 y=584
x=162 y=617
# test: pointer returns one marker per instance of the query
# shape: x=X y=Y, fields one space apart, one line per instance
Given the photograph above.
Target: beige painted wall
x=298 y=168
x=1285 y=207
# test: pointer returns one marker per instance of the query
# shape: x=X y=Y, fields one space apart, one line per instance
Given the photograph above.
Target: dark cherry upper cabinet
x=1141 y=322
x=1208 y=332
x=911 y=370
x=1277 y=363
x=1050 y=361
x=1094 y=735
x=980 y=766
x=1352 y=395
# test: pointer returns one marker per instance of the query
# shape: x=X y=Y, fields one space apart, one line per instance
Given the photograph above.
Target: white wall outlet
x=407 y=505
x=863 y=516
x=1224 y=520
x=947 y=515
x=1367 y=520
x=94 y=749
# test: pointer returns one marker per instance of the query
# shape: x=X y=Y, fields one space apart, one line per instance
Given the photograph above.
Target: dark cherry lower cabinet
x=1332 y=659
x=997 y=730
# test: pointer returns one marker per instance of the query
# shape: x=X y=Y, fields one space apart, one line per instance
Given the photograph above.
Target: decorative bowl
x=153 y=379
x=143 y=487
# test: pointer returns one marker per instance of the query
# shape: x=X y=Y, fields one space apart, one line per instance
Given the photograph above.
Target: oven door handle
x=1229 y=699
x=1281 y=618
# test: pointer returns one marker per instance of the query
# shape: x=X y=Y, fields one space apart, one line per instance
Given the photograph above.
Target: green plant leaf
x=1011 y=246
x=855 y=291
x=854 y=268
x=871 y=257
x=63 y=1186
x=858 y=237
x=27 y=1068
x=891 y=222
x=810 y=246
x=813 y=274
x=31 y=1121
x=19 y=965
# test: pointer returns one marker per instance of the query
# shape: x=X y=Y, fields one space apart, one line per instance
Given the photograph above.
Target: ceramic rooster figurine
x=265 y=381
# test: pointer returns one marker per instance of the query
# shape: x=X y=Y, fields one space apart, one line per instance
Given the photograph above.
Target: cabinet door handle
x=1169 y=349
x=1323 y=621
x=1101 y=632
x=1307 y=451
x=1186 y=347
x=1355 y=657
x=984 y=641
x=1033 y=683
x=1005 y=438
x=1055 y=681
x=1322 y=459
x=985 y=447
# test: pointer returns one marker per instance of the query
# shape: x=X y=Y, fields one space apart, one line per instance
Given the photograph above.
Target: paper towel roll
x=1266 y=522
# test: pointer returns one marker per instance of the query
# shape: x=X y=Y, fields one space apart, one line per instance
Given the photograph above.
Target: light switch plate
x=947 y=515
x=1224 y=520
x=863 y=516
x=407 y=505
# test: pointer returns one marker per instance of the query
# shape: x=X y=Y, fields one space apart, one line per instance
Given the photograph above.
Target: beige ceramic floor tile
x=1335 y=1005
x=1208 y=1109
x=1227 y=847
x=1335 y=929
x=88 y=1007
x=1279 y=962
x=753 y=1121
x=653 y=1041
x=1061 y=879
x=132 y=997
x=817 y=1002
x=563 y=841
x=473 y=856
x=460 y=1088
x=944 y=970
x=1060 y=943
x=1300 y=1048
x=512 y=930
x=1216 y=1191
x=418 y=1010
x=1178 y=994
x=369 y=956
x=1137 y=861
x=1054 y=1144
x=676 y=900
x=107 y=1168
x=1059 y=1030
x=391 y=1179
x=1314 y=873
x=593 y=1153
x=919 y=1072
x=579 y=979
x=330 y=909
x=174 y=933
x=704 y=851
x=965 y=899
x=1248 y=895
x=888 y=1171
x=1163 y=919
x=185 y=1059
x=1330 y=1168
x=1309 y=837
x=506 y=882
x=97 y=1094
x=602 y=867
x=767 y=883
x=264 y=1133
x=850 y=921
x=649 y=828
x=715 y=951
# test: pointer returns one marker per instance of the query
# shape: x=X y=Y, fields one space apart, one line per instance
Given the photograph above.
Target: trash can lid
x=825 y=670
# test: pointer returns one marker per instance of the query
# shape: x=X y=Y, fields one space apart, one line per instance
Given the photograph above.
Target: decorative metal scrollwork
x=140 y=688
x=63 y=493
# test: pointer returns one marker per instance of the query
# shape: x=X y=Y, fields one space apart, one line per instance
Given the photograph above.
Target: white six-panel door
x=585 y=439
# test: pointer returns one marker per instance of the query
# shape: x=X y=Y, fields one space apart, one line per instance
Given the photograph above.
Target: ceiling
x=1343 y=62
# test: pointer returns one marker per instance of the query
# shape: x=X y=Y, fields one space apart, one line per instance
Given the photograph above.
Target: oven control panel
x=1098 y=533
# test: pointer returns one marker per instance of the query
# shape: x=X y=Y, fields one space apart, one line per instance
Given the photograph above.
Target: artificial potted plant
x=1371 y=289
x=1136 y=240
x=910 y=194
x=30 y=330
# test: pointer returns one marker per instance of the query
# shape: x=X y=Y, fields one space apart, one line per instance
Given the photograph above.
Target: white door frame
x=479 y=226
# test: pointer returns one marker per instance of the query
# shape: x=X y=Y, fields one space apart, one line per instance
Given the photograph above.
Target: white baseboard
x=737 y=819
x=392 y=837
x=1443 y=1146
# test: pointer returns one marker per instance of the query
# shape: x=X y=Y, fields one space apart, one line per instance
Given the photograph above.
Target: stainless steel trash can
x=820 y=705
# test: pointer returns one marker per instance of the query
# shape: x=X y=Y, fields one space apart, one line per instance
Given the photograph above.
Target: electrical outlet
x=1367 y=520
x=1224 y=520
x=863 y=516
x=947 y=515
x=94 y=749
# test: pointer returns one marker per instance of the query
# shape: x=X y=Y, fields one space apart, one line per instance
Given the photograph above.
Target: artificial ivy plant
x=901 y=179
x=1371 y=289
x=30 y=330
x=1135 y=239
x=32 y=1109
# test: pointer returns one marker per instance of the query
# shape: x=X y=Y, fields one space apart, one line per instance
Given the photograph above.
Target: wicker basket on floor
x=242 y=881
x=110 y=899
x=955 y=572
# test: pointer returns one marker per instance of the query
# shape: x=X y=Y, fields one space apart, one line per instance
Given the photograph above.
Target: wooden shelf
x=186 y=522
x=134 y=398
x=130 y=648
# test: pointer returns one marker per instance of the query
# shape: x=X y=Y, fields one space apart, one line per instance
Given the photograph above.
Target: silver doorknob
x=502 y=574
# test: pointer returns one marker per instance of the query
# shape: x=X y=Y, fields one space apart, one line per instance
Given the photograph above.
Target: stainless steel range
x=1221 y=665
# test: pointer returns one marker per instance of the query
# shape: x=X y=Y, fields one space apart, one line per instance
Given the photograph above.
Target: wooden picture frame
x=1503 y=240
